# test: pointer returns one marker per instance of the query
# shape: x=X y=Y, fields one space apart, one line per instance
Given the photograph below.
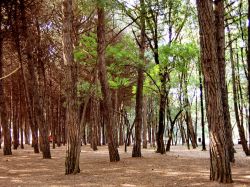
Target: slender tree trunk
x=30 y=80
x=154 y=132
x=196 y=117
x=145 y=123
x=14 y=121
x=3 y=108
x=0 y=136
x=189 y=121
x=115 y=114
x=113 y=151
x=235 y=99
x=203 y=139
x=26 y=131
x=139 y=91
x=121 y=127
x=94 y=124
x=248 y=70
x=161 y=127
x=220 y=169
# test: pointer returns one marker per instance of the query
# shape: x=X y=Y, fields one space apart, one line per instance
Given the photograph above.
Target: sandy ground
x=180 y=167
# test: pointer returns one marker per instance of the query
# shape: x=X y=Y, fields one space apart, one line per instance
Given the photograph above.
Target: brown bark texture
x=219 y=12
x=220 y=169
x=72 y=121
x=3 y=108
x=107 y=103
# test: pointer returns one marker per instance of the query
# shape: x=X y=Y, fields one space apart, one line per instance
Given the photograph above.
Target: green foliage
x=86 y=53
x=123 y=55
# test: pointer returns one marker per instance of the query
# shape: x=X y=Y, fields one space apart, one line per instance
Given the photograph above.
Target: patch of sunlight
x=128 y=185
x=110 y=169
x=13 y=171
x=132 y=171
x=247 y=176
x=16 y=180
x=157 y=171
x=197 y=184
x=4 y=167
x=1 y=177
x=171 y=174
x=24 y=175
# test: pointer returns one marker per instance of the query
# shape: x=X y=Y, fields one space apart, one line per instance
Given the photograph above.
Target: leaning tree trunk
x=220 y=43
x=72 y=121
x=220 y=169
x=108 y=113
x=3 y=108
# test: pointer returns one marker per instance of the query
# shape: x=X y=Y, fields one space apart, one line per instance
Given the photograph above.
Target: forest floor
x=180 y=167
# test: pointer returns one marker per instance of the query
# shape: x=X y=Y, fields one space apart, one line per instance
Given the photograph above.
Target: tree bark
x=108 y=113
x=220 y=169
x=3 y=108
x=235 y=98
x=72 y=120
x=161 y=127
x=145 y=123
x=220 y=43
x=248 y=70
x=139 y=90
x=203 y=139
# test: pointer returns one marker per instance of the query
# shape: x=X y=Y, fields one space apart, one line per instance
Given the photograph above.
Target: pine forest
x=125 y=93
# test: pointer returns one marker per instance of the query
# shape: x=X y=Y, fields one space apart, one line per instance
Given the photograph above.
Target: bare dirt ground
x=180 y=167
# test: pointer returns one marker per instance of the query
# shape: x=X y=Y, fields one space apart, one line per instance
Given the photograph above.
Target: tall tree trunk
x=0 y=136
x=26 y=131
x=3 y=108
x=14 y=120
x=145 y=123
x=235 y=98
x=72 y=121
x=220 y=169
x=154 y=131
x=248 y=70
x=139 y=90
x=219 y=12
x=39 y=97
x=29 y=78
x=94 y=122
x=34 y=88
x=115 y=114
x=161 y=127
x=108 y=113
x=189 y=121
x=203 y=139
x=58 y=123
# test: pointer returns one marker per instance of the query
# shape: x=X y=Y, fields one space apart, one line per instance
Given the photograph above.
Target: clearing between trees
x=179 y=167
